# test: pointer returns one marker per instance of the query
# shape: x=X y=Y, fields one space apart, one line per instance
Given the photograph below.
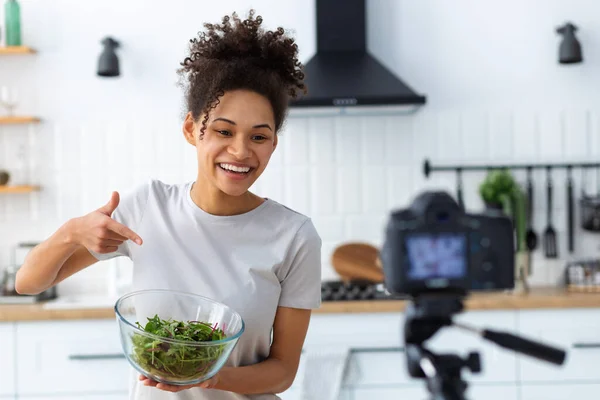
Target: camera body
x=434 y=246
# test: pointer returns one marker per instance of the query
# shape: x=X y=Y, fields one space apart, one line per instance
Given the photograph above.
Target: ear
x=189 y=129
x=275 y=141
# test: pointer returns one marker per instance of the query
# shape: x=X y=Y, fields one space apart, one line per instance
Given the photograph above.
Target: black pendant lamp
x=569 y=51
x=108 y=64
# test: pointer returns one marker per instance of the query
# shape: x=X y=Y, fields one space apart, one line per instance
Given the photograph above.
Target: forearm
x=43 y=263
x=269 y=376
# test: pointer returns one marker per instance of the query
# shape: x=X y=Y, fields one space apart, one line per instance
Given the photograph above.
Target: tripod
x=426 y=315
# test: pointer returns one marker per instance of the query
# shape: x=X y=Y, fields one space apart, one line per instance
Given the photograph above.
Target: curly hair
x=238 y=54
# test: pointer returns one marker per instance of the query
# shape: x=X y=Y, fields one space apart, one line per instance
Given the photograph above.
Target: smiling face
x=238 y=141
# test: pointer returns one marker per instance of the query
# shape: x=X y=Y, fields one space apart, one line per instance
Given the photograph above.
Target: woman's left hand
x=207 y=384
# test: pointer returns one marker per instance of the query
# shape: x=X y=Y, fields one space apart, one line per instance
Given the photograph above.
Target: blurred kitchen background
x=489 y=70
x=495 y=93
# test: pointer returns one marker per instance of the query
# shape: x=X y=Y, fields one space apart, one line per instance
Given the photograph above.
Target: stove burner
x=356 y=290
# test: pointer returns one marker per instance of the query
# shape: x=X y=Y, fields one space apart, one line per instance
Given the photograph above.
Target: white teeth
x=234 y=168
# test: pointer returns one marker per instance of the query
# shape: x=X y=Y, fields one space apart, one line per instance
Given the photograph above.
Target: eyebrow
x=255 y=126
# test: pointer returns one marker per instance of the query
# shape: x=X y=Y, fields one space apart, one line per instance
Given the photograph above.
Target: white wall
x=495 y=93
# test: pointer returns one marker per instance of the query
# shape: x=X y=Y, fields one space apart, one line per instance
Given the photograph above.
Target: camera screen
x=436 y=256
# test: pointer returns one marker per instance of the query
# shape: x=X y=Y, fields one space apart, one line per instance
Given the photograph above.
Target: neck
x=213 y=201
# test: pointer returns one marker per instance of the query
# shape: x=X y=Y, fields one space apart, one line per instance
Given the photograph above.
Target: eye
x=225 y=133
x=259 y=137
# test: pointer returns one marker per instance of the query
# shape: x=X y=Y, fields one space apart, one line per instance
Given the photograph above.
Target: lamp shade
x=108 y=64
x=569 y=51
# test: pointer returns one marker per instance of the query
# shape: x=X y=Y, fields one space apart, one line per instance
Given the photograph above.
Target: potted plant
x=499 y=191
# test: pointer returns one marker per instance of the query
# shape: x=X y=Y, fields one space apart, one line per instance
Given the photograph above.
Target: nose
x=239 y=148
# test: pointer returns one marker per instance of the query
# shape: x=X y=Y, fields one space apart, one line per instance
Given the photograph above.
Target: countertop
x=538 y=298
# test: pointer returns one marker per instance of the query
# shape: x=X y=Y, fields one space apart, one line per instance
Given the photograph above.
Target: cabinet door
x=296 y=394
x=560 y=392
x=575 y=330
x=7 y=365
x=391 y=393
x=70 y=357
x=491 y=392
x=123 y=396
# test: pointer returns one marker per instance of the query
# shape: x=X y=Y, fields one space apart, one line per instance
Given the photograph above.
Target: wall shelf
x=19 y=189
x=4 y=120
x=8 y=50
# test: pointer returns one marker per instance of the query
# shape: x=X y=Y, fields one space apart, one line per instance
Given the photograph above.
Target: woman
x=213 y=236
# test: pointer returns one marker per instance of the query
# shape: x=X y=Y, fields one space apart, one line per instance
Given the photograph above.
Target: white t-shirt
x=252 y=262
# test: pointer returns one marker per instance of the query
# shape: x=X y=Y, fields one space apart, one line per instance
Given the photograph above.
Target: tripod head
x=425 y=316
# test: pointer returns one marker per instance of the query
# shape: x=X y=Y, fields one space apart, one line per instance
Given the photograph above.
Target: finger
x=206 y=384
x=124 y=231
x=112 y=204
x=150 y=382
x=111 y=242
x=108 y=234
x=104 y=249
x=173 y=388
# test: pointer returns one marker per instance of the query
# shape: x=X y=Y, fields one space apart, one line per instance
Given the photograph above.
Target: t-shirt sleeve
x=301 y=285
x=129 y=212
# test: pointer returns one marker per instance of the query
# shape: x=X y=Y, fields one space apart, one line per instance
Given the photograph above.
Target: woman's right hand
x=98 y=232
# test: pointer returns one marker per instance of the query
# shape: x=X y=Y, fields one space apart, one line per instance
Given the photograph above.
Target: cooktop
x=356 y=290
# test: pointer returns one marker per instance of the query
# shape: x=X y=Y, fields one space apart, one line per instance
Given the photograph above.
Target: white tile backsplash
x=342 y=171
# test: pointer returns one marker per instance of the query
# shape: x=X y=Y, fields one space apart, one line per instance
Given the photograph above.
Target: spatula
x=550 y=234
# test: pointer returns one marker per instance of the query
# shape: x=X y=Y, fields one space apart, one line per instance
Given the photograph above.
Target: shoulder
x=284 y=217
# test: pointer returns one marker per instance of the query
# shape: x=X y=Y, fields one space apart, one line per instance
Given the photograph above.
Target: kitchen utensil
x=459 y=191
x=530 y=237
x=549 y=233
x=357 y=261
x=570 y=211
x=174 y=361
x=590 y=205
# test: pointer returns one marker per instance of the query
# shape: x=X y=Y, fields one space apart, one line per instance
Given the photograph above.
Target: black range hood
x=342 y=72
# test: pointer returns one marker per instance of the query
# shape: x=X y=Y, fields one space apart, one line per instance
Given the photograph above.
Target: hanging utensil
x=549 y=233
x=590 y=205
x=571 y=241
x=459 y=191
x=531 y=238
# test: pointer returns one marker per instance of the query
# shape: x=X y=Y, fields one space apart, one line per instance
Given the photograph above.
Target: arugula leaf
x=173 y=360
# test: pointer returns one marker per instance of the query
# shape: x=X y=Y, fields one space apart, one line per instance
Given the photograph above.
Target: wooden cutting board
x=357 y=261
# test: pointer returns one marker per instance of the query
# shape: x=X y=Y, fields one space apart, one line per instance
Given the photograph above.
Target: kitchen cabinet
x=560 y=392
x=420 y=393
x=89 y=353
x=7 y=365
x=79 y=397
x=576 y=330
x=70 y=357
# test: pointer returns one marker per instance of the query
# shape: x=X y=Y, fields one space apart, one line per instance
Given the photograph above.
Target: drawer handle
x=377 y=349
x=96 y=356
x=586 y=345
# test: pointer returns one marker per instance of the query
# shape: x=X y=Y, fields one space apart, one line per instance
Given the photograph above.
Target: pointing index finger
x=124 y=231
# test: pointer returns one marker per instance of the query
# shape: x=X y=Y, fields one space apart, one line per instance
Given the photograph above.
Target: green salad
x=177 y=361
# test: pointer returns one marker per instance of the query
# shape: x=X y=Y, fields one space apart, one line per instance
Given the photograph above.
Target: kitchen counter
x=539 y=298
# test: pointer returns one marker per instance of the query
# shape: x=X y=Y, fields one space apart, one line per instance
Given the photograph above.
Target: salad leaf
x=177 y=361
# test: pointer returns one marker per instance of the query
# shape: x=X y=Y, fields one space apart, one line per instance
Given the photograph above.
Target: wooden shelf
x=4 y=120
x=19 y=189
x=16 y=50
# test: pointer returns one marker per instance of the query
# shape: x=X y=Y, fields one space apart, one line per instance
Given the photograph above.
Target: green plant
x=500 y=188
x=178 y=361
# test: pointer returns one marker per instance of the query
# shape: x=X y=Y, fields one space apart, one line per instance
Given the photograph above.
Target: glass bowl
x=174 y=337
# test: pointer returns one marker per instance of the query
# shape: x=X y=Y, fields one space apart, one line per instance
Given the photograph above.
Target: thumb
x=112 y=204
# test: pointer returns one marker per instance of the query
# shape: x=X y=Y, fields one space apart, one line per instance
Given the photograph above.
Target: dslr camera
x=436 y=254
x=434 y=246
